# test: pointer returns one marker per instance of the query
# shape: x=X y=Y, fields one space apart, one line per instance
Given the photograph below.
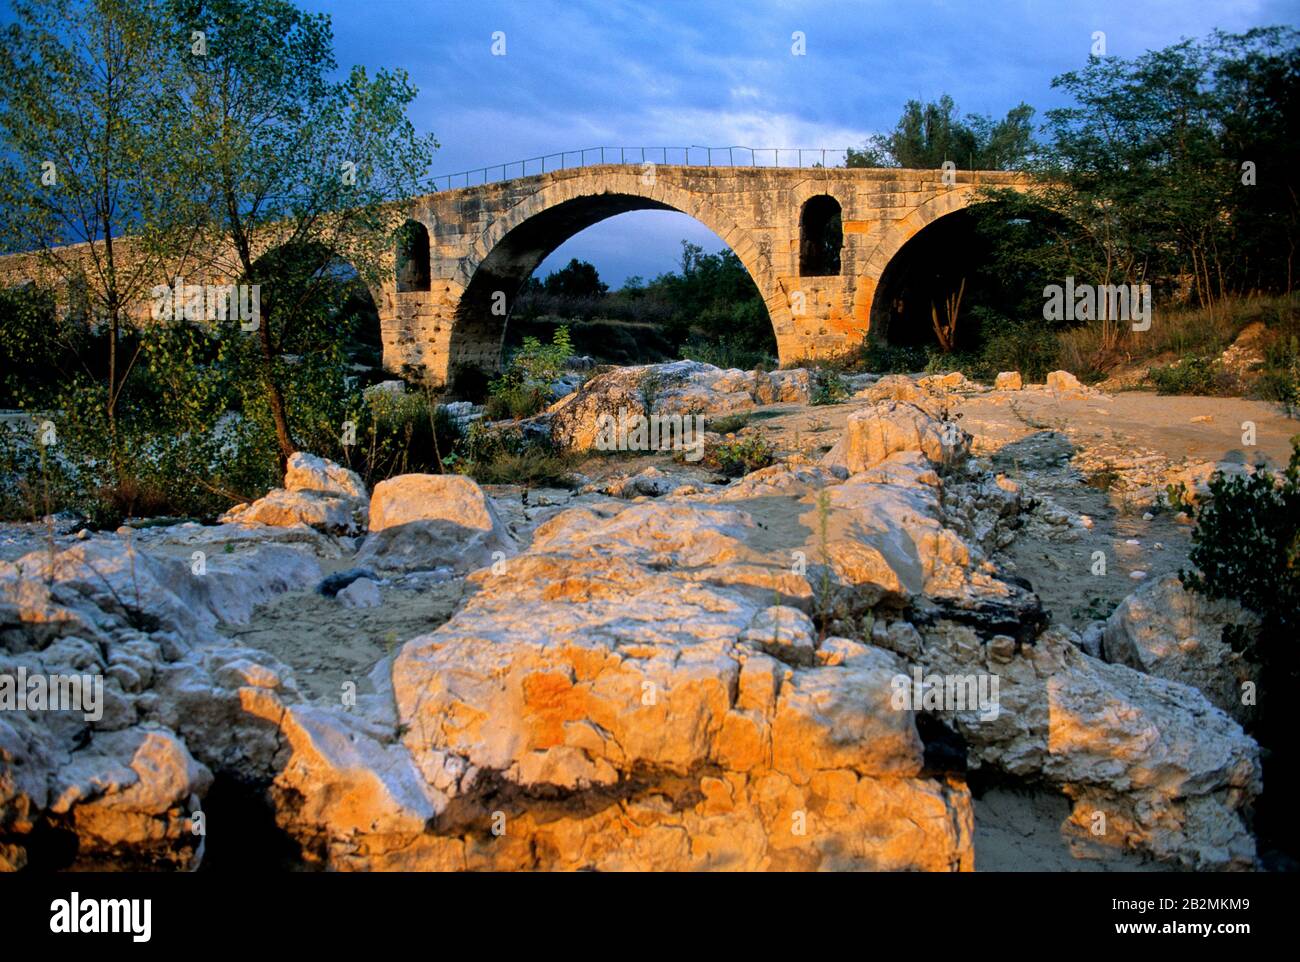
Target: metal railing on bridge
x=693 y=156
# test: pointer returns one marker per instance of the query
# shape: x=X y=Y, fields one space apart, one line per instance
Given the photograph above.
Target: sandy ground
x=1017 y=829
x=327 y=644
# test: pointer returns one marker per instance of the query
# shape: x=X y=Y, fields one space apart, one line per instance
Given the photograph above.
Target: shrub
x=524 y=389
x=511 y=401
x=830 y=387
x=881 y=358
x=1280 y=381
x=404 y=433
x=741 y=456
x=1032 y=348
x=1191 y=375
x=726 y=352
x=505 y=456
x=1246 y=546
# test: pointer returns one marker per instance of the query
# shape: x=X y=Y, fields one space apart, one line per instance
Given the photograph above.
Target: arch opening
x=413 y=271
x=821 y=237
x=498 y=283
x=312 y=290
x=941 y=261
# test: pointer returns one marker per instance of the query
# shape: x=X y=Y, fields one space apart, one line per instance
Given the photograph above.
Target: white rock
x=873 y=434
x=362 y=593
x=427 y=520
x=1164 y=630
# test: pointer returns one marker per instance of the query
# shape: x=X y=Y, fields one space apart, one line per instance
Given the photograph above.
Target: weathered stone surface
x=1171 y=772
x=317 y=493
x=893 y=387
x=130 y=796
x=176 y=594
x=1008 y=381
x=307 y=472
x=1065 y=385
x=284 y=509
x=428 y=520
x=647 y=686
x=676 y=388
x=1164 y=630
x=602 y=653
x=362 y=593
x=757 y=210
x=874 y=433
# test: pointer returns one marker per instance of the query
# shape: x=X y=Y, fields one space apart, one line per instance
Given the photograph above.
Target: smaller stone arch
x=412 y=256
x=821 y=236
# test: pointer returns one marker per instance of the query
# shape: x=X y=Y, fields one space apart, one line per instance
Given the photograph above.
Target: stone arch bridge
x=818 y=242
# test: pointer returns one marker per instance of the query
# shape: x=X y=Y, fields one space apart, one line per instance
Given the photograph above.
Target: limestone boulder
x=1165 y=630
x=675 y=388
x=423 y=521
x=893 y=387
x=601 y=652
x=874 y=433
x=1066 y=386
x=307 y=472
x=286 y=509
x=130 y=797
x=317 y=493
x=1150 y=762
x=1008 y=381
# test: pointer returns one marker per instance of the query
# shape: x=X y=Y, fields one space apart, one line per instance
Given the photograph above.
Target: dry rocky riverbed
x=661 y=668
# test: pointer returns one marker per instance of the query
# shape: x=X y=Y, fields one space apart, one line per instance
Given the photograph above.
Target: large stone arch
x=894 y=237
x=511 y=247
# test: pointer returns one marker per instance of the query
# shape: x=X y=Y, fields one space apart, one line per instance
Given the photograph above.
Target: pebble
x=1137 y=575
x=1148 y=516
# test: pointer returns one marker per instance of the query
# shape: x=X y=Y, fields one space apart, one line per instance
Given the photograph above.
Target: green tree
x=1140 y=177
x=94 y=152
x=929 y=134
x=292 y=158
x=575 y=279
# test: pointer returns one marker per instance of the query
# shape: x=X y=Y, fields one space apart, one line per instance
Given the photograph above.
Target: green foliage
x=1030 y=347
x=1246 y=546
x=493 y=455
x=403 y=433
x=830 y=387
x=1281 y=378
x=929 y=134
x=576 y=279
x=539 y=362
x=1246 y=543
x=524 y=389
x=39 y=346
x=727 y=352
x=742 y=455
x=1190 y=375
x=1140 y=179
x=879 y=357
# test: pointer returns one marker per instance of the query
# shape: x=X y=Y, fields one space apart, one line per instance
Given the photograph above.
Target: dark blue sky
x=721 y=72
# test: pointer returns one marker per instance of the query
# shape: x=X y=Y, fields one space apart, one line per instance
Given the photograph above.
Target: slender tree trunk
x=274 y=396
